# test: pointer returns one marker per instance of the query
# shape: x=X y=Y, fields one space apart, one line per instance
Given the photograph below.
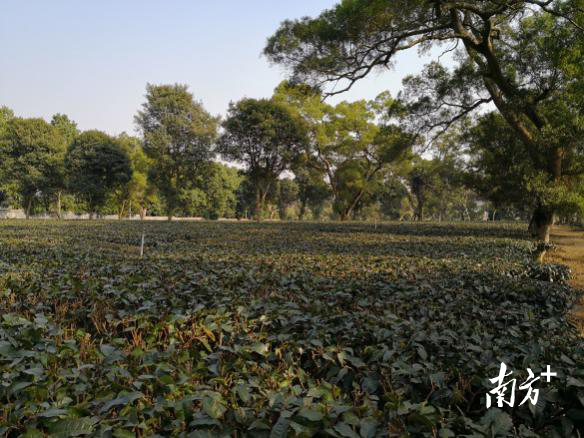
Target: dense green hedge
x=279 y=330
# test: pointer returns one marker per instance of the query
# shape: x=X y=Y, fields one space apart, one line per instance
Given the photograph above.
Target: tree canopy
x=96 y=165
x=265 y=137
x=178 y=134
x=31 y=150
x=350 y=143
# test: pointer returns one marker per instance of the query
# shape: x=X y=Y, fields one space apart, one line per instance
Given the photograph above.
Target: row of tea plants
x=274 y=330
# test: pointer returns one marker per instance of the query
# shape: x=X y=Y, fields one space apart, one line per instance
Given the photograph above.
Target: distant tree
x=452 y=199
x=357 y=148
x=393 y=199
x=313 y=191
x=178 y=135
x=220 y=185
x=32 y=151
x=287 y=194
x=265 y=137
x=194 y=202
x=6 y=114
x=97 y=165
x=350 y=143
x=69 y=132
x=139 y=192
x=246 y=199
x=66 y=127
x=435 y=190
x=421 y=181
x=7 y=189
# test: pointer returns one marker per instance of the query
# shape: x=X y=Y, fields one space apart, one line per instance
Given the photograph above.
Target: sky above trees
x=92 y=60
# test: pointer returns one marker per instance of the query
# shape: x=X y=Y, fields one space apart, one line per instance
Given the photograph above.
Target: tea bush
x=273 y=330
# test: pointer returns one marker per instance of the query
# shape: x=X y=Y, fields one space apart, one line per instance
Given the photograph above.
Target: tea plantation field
x=273 y=330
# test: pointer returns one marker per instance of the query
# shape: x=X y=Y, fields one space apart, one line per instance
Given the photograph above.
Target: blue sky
x=91 y=59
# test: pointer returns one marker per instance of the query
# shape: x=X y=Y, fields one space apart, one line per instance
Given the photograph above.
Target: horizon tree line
x=295 y=154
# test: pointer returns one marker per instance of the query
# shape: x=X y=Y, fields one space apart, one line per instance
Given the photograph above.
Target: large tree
x=96 y=166
x=350 y=143
x=178 y=135
x=220 y=184
x=6 y=188
x=524 y=57
x=32 y=151
x=139 y=193
x=287 y=194
x=265 y=137
x=69 y=132
x=358 y=150
x=313 y=190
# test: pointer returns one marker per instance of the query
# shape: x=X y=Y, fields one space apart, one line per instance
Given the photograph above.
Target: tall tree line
x=294 y=156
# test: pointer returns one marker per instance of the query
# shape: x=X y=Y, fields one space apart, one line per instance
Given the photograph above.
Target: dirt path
x=570 y=242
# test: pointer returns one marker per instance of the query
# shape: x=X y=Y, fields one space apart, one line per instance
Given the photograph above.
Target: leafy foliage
x=178 y=134
x=351 y=143
x=96 y=165
x=265 y=137
x=32 y=151
x=339 y=330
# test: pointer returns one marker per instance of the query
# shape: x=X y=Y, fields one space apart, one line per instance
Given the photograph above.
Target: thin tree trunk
x=28 y=208
x=59 y=215
x=420 y=212
x=258 y=205
x=121 y=211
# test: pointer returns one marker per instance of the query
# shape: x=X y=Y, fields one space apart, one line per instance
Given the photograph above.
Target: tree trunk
x=28 y=208
x=541 y=223
x=258 y=206
x=543 y=217
x=420 y=212
x=121 y=211
x=142 y=213
x=302 y=211
x=261 y=196
x=59 y=215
